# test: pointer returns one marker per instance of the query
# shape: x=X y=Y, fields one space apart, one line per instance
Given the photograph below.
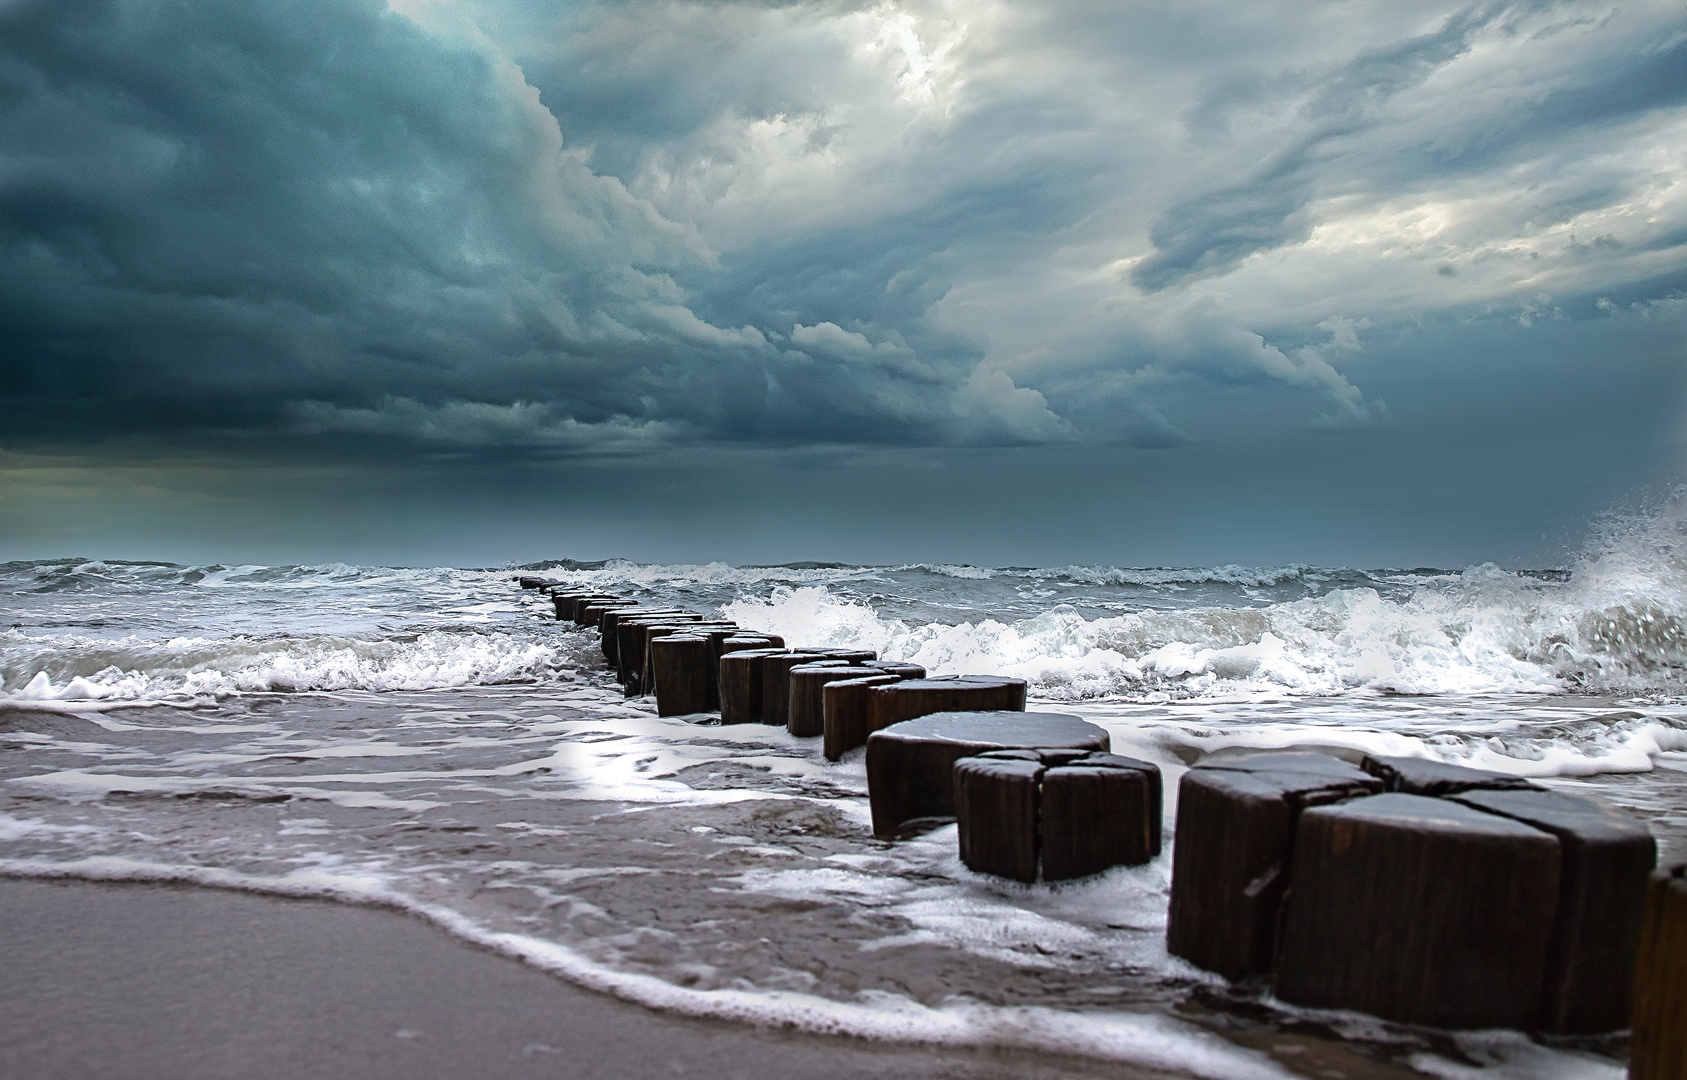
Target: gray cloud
x=492 y=231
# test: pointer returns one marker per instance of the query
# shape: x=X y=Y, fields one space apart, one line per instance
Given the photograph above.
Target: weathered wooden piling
x=591 y=612
x=998 y=801
x=1066 y=813
x=846 y=713
x=1419 y=910
x=564 y=600
x=741 y=685
x=776 y=683
x=633 y=633
x=1658 y=1050
x=1098 y=811
x=898 y=668
x=910 y=765
x=610 y=630
x=680 y=668
x=644 y=678
x=806 y=705
x=906 y=699
x=1230 y=865
x=1607 y=857
x=1421 y=776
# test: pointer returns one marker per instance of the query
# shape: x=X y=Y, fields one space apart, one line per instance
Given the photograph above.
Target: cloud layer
x=480 y=228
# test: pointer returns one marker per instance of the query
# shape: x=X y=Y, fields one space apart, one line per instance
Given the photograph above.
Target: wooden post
x=1422 y=776
x=776 y=684
x=908 y=698
x=644 y=677
x=680 y=665
x=910 y=765
x=1230 y=863
x=898 y=668
x=591 y=612
x=1608 y=856
x=845 y=712
x=997 y=804
x=806 y=705
x=1658 y=1050
x=740 y=685
x=1419 y=910
x=1099 y=810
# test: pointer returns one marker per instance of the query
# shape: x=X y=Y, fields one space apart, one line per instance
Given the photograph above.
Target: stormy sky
x=1350 y=283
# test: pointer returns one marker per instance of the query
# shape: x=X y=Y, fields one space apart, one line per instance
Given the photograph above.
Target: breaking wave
x=1616 y=622
x=77 y=669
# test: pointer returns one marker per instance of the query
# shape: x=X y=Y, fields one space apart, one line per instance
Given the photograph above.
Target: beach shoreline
x=144 y=980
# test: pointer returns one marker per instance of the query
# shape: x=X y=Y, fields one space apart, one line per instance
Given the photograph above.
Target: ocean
x=430 y=739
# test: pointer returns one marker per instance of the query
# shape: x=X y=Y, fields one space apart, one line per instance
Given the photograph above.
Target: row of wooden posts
x=1417 y=891
x=693 y=665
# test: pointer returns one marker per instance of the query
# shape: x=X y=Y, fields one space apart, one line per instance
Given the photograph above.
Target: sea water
x=430 y=739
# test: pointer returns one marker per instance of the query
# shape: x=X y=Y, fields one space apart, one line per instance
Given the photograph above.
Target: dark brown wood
x=854 y=656
x=740 y=685
x=898 y=668
x=805 y=708
x=620 y=634
x=1419 y=910
x=610 y=620
x=776 y=681
x=909 y=698
x=644 y=677
x=845 y=711
x=1087 y=812
x=528 y=582
x=1421 y=776
x=571 y=604
x=1607 y=857
x=591 y=612
x=563 y=601
x=1658 y=1049
x=997 y=810
x=635 y=634
x=680 y=668
x=910 y=765
x=718 y=634
x=1099 y=810
x=1230 y=863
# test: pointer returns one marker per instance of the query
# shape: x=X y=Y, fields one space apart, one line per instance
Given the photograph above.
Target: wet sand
x=142 y=981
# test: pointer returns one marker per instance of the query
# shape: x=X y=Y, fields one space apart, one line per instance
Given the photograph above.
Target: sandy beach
x=142 y=981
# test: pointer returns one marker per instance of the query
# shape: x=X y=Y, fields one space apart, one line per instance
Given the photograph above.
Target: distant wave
x=1617 y=621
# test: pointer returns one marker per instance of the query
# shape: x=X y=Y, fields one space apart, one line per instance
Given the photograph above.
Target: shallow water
x=428 y=739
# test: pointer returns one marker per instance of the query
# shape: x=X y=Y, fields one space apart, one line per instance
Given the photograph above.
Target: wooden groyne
x=1417 y=891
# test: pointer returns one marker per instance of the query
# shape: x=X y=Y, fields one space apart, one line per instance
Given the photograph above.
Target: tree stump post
x=1230 y=863
x=806 y=709
x=680 y=664
x=740 y=685
x=1658 y=1050
x=845 y=711
x=906 y=699
x=1419 y=910
x=910 y=765
x=997 y=808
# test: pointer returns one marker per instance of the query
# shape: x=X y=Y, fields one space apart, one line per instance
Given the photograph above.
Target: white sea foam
x=1617 y=624
x=1150 y=1039
x=65 y=668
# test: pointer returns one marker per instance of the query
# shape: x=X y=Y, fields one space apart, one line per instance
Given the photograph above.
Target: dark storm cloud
x=325 y=219
x=490 y=228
